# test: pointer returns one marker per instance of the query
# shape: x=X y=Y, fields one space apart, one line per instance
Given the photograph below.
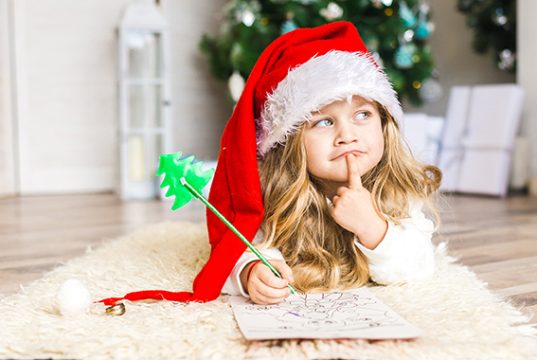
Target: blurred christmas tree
x=494 y=25
x=395 y=32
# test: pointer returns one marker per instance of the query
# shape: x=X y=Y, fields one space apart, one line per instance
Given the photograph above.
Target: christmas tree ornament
x=236 y=85
x=332 y=12
x=507 y=60
x=423 y=30
x=499 y=17
x=408 y=35
x=247 y=17
x=246 y=13
x=406 y=15
x=287 y=26
x=403 y=57
x=431 y=90
x=387 y=2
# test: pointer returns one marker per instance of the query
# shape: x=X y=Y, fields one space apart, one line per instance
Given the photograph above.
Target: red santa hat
x=299 y=72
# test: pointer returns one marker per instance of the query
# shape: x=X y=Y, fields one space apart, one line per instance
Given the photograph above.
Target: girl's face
x=338 y=129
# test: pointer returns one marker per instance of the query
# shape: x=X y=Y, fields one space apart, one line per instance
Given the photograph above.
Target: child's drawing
x=349 y=314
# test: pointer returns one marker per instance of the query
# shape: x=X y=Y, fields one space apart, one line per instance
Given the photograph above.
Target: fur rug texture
x=460 y=317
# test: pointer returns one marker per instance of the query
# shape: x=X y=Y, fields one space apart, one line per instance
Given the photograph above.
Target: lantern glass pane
x=145 y=105
x=144 y=55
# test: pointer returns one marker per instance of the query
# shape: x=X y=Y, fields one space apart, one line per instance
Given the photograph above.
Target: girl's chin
x=336 y=181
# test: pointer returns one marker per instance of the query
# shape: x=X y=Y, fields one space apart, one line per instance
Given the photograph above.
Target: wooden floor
x=496 y=238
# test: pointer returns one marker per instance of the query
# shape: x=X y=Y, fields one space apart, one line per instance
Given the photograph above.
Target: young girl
x=343 y=198
x=312 y=169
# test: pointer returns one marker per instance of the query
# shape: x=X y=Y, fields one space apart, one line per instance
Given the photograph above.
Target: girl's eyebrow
x=318 y=114
x=355 y=104
x=363 y=104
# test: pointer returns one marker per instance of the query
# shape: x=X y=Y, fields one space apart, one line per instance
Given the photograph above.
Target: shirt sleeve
x=233 y=285
x=406 y=253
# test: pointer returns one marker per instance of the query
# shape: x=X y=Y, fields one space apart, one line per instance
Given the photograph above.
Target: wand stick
x=232 y=228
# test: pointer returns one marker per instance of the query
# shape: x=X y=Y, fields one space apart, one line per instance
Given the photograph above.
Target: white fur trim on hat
x=316 y=83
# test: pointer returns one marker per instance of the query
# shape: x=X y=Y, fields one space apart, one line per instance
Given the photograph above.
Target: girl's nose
x=345 y=135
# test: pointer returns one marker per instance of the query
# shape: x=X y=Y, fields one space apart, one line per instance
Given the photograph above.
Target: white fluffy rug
x=461 y=319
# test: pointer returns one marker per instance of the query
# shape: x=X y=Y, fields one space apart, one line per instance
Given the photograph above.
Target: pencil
x=235 y=231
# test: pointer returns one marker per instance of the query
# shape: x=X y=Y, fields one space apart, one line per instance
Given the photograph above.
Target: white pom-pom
x=73 y=298
x=236 y=85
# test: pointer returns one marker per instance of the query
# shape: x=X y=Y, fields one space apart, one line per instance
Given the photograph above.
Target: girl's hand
x=353 y=209
x=263 y=286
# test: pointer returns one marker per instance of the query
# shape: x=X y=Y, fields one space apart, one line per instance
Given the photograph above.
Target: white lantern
x=144 y=106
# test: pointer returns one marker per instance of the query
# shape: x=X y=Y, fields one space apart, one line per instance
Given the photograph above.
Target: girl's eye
x=362 y=115
x=323 y=123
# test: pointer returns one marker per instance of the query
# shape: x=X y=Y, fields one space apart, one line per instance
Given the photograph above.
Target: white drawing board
x=342 y=314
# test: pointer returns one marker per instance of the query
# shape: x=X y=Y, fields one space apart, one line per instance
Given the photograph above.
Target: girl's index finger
x=355 y=178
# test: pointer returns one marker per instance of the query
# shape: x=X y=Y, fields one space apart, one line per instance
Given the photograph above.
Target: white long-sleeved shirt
x=405 y=254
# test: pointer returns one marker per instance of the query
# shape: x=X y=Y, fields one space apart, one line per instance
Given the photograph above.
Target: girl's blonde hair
x=297 y=220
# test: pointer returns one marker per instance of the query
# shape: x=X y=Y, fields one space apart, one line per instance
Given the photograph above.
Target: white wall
x=66 y=98
x=199 y=105
x=7 y=163
x=527 y=78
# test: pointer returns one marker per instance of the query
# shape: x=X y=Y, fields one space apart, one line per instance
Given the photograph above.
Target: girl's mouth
x=355 y=152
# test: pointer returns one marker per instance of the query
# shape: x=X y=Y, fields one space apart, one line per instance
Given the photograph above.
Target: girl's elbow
x=420 y=271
